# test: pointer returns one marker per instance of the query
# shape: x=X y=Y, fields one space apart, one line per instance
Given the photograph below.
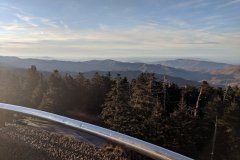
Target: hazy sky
x=208 y=29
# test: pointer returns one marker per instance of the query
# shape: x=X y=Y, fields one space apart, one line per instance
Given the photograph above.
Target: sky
x=127 y=29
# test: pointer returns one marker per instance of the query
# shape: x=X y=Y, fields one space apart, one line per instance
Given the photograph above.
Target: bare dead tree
x=197 y=103
x=214 y=139
x=226 y=90
x=164 y=93
x=181 y=106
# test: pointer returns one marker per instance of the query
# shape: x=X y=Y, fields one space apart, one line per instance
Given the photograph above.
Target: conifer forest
x=180 y=118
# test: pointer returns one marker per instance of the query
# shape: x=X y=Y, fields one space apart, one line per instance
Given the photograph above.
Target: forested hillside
x=233 y=71
x=180 y=118
x=194 y=65
x=130 y=75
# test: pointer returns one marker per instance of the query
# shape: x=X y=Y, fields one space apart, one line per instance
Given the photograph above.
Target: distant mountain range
x=102 y=65
x=129 y=74
x=194 y=65
x=193 y=70
x=232 y=72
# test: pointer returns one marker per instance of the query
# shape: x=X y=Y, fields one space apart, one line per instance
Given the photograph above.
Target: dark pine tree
x=116 y=111
x=54 y=99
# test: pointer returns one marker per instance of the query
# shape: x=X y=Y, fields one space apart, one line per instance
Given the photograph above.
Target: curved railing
x=135 y=144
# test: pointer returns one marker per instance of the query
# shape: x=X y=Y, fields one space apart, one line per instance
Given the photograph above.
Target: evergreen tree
x=82 y=92
x=144 y=94
x=173 y=97
x=116 y=111
x=99 y=87
x=70 y=91
x=54 y=98
x=145 y=104
x=205 y=95
x=38 y=92
x=29 y=83
x=155 y=125
x=191 y=96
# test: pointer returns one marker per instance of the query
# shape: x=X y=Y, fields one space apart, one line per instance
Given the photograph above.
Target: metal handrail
x=135 y=144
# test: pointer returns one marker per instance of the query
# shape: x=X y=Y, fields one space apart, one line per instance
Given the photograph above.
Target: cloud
x=139 y=38
x=64 y=25
x=49 y=22
x=32 y=20
x=229 y=3
x=27 y=19
x=15 y=27
x=190 y=3
x=103 y=27
x=24 y=18
x=177 y=22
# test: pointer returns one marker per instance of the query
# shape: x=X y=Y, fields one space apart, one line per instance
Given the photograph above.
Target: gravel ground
x=20 y=142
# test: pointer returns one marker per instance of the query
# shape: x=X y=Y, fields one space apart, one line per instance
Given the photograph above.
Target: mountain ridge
x=102 y=65
x=195 y=65
x=114 y=66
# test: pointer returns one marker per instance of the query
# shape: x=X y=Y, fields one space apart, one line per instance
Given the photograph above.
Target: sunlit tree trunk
x=197 y=104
